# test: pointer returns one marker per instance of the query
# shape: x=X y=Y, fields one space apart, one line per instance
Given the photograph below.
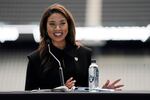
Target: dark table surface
x=78 y=94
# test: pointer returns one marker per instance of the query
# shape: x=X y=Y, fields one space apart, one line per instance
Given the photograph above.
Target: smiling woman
x=59 y=60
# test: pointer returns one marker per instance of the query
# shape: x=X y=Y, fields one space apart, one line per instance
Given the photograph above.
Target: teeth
x=57 y=34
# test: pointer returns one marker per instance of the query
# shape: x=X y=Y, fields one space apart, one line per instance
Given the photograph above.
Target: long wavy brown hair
x=56 y=8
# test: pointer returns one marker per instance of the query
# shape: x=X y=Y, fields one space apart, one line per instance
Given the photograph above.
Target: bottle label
x=91 y=78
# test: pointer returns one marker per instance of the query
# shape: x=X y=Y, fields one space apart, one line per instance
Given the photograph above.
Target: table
x=49 y=95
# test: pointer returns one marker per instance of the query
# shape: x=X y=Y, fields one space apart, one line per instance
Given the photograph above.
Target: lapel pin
x=76 y=58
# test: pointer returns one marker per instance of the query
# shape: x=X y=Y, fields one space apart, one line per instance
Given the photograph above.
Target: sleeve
x=88 y=62
x=85 y=60
x=31 y=75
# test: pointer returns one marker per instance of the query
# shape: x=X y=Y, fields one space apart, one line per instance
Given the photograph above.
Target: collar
x=70 y=50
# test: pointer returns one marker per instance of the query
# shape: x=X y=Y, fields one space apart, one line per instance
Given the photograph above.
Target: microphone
x=60 y=67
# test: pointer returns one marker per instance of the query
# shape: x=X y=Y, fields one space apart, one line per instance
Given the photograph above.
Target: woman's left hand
x=113 y=85
x=70 y=83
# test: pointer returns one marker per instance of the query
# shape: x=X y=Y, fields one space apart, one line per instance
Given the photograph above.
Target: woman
x=58 y=49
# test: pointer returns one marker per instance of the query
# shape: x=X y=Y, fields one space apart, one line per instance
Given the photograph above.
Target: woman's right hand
x=113 y=85
x=70 y=83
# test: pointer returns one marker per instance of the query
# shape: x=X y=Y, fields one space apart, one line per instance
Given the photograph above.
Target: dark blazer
x=75 y=62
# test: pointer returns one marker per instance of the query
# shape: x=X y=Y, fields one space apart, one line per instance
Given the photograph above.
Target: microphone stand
x=60 y=67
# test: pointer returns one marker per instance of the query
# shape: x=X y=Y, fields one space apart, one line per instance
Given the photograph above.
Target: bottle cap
x=93 y=61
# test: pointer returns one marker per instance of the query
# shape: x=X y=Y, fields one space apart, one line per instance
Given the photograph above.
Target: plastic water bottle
x=93 y=76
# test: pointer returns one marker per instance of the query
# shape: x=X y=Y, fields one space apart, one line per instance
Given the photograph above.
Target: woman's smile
x=57 y=34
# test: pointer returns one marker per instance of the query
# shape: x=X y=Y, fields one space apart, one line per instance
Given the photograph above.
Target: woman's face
x=57 y=27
